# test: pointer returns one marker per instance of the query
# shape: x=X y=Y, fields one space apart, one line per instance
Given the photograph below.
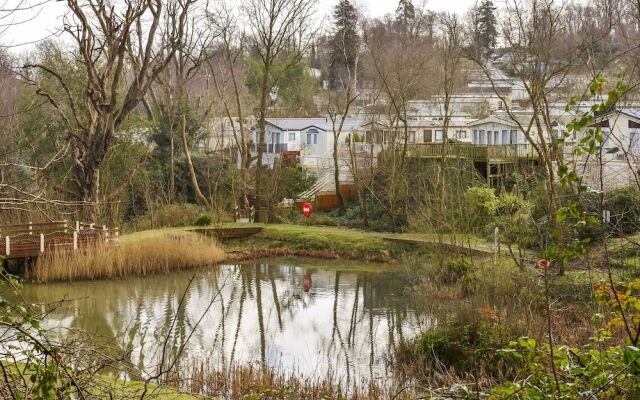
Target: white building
x=617 y=162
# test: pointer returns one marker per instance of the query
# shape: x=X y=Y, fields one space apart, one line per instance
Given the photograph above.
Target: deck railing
x=472 y=151
x=32 y=240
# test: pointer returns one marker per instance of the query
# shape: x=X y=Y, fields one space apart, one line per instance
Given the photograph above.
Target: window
x=476 y=138
x=312 y=136
x=412 y=136
x=461 y=134
x=606 y=134
x=496 y=137
x=505 y=137
x=292 y=136
x=634 y=140
x=483 y=138
x=489 y=137
x=428 y=136
x=514 y=137
x=439 y=136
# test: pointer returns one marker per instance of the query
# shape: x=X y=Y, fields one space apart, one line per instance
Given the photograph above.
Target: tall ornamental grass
x=150 y=255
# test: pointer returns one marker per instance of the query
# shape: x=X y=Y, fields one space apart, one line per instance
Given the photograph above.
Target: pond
x=311 y=318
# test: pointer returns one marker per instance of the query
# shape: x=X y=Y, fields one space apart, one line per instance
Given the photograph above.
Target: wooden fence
x=32 y=240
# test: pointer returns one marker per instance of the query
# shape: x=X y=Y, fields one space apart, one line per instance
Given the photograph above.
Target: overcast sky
x=35 y=26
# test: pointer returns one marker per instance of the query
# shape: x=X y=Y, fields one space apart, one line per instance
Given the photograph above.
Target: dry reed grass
x=149 y=255
x=255 y=382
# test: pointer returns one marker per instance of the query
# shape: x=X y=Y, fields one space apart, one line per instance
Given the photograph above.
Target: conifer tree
x=345 y=41
x=405 y=11
x=487 y=34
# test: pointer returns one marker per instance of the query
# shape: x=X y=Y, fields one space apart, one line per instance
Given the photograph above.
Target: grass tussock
x=147 y=255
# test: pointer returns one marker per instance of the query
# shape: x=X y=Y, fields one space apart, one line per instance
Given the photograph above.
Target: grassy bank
x=337 y=243
x=138 y=254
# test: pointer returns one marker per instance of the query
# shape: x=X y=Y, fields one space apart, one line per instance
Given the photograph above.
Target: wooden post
x=75 y=240
x=106 y=234
x=7 y=245
x=42 y=243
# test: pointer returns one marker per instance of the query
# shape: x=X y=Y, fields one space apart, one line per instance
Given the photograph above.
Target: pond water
x=311 y=318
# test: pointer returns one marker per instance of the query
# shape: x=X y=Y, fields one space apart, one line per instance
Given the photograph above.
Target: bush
x=454 y=270
x=167 y=216
x=204 y=220
x=481 y=208
x=624 y=205
x=456 y=344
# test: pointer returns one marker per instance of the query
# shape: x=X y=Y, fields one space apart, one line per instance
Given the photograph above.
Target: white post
x=106 y=234
x=30 y=228
x=66 y=224
x=42 y=243
x=496 y=244
x=7 y=245
x=77 y=225
x=75 y=240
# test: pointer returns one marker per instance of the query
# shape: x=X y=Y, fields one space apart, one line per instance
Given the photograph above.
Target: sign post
x=307 y=210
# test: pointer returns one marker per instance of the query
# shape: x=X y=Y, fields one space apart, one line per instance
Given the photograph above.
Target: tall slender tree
x=405 y=12
x=344 y=43
x=278 y=28
x=487 y=34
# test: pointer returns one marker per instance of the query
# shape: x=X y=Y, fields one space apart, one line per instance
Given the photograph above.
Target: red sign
x=307 y=209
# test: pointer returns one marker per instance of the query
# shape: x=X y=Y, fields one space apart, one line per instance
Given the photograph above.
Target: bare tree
x=398 y=53
x=226 y=64
x=106 y=38
x=542 y=57
x=279 y=28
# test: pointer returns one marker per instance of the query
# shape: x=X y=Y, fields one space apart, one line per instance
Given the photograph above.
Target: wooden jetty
x=229 y=233
x=26 y=242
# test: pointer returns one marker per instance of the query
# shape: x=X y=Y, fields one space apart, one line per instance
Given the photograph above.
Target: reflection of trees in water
x=139 y=312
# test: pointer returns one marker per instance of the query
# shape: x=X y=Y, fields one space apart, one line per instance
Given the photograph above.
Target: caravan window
x=439 y=136
x=312 y=136
x=428 y=136
x=514 y=137
x=412 y=136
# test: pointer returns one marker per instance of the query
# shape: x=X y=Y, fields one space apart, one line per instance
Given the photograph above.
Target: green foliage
x=480 y=205
x=624 y=204
x=204 y=220
x=166 y=216
x=344 y=43
x=457 y=345
x=292 y=86
x=454 y=270
x=590 y=371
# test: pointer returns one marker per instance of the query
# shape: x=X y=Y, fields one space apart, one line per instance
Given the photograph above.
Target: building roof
x=492 y=119
x=322 y=123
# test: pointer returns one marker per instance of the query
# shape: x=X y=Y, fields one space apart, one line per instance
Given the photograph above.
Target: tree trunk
x=192 y=172
x=89 y=178
x=336 y=173
x=261 y=136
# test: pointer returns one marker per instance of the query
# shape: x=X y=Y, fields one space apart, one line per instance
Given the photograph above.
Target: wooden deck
x=33 y=240
x=229 y=233
x=506 y=152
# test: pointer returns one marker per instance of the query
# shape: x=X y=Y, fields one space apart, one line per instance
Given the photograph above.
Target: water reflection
x=311 y=318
